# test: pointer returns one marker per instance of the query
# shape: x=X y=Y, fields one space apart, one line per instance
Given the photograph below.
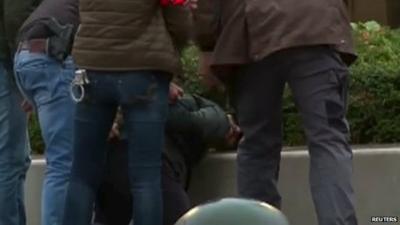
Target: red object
x=178 y=2
x=172 y=2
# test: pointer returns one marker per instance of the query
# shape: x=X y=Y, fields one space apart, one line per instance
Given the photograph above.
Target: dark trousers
x=318 y=80
x=114 y=201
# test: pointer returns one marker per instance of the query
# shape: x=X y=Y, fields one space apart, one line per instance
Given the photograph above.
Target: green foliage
x=292 y=126
x=374 y=101
x=375 y=88
x=189 y=80
x=35 y=136
x=374 y=98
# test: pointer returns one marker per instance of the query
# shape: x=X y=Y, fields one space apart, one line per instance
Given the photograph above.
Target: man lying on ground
x=194 y=124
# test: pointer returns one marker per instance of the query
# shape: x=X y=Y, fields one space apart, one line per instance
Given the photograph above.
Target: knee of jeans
x=148 y=185
x=59 y=168
x=145 y=181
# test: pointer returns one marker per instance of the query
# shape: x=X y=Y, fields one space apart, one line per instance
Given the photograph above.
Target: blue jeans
x=45 y=83
x=14 y=152
x=143 y=97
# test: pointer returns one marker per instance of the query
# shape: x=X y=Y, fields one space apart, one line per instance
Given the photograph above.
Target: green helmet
x=232 y=211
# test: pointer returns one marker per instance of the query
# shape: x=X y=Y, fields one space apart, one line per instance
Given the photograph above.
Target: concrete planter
x=376 y=182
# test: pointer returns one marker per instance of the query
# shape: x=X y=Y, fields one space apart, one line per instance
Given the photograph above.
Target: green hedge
x=374 y=101
x=374 y=110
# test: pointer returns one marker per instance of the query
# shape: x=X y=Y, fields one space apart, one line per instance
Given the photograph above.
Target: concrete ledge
x=376 y=182
x=33 y=191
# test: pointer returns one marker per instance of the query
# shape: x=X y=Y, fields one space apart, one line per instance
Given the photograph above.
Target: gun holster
x=60 y=44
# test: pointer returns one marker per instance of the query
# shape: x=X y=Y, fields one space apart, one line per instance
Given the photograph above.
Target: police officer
x=14 y=147
x=258 y=46
x=128 y=50
x=44 y=71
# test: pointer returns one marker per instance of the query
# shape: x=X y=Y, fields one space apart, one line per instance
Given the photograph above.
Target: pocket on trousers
x=42 y=85
x=336 y=102
x=145 y=88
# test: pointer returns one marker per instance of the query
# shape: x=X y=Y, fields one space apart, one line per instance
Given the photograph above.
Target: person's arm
x=198 y=116
x=15 y=13
x=206 y=18
x=178 y=21
x=181 y=119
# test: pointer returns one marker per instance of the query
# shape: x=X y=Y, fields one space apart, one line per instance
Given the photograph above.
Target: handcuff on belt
x=81 y=79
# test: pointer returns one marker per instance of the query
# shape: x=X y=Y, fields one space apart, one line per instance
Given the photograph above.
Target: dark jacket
x=194 y=124
x=63 y=11
x=244 y=31
x=12 y=15
x=130 y=35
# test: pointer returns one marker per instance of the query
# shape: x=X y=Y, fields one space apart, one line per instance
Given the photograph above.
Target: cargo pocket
x=336 y=102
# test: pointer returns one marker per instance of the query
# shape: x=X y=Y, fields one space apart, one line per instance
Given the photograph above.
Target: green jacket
x=194 y=124
x=130 y=35
x=200 y=117
x=12 y=14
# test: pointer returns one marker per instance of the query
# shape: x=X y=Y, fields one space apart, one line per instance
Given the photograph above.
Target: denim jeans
x=45 y=83
x=14 y=152
x=143 y=97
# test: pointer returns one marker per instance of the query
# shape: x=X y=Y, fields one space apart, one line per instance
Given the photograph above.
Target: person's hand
x=205 y=73
x=175 y=92
x=234 y=133
x=26 y=106
x=114 y=133
x=191 y=4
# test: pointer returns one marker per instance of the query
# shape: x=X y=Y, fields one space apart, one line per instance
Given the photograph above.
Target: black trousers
x=114 y=201
x=317 y=79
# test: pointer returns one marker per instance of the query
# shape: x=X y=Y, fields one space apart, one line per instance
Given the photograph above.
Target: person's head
x=232 y=211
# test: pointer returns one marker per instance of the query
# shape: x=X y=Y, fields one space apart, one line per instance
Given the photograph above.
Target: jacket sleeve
x=178 y=21
x=206 y=20
x=15 y=13
x=198 y=116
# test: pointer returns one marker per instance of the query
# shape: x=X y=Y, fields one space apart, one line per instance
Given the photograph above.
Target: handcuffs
x=78 y=83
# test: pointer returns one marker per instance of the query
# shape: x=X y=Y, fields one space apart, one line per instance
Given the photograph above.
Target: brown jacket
x=243 y=31
x=129 y=35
